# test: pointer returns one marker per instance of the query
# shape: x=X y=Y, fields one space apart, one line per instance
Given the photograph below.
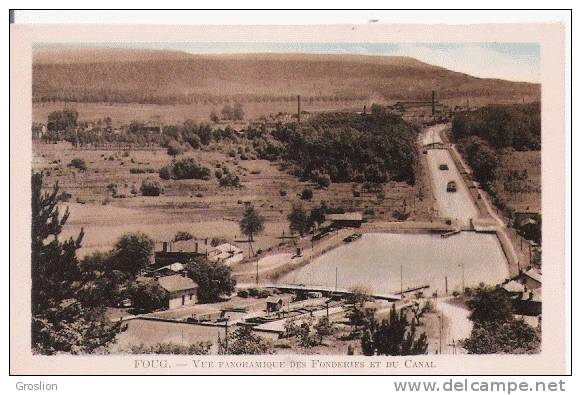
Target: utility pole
x=227 y=318
x=441 y=325
x=463 y=278
x=299 y=109
x=401 y=281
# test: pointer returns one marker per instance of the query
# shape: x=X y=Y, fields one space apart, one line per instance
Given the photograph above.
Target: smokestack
x=299 y=108
x=433 y=103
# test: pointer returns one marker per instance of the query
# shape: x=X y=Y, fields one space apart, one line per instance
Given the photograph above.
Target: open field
x=125 y=113
x=201 y=207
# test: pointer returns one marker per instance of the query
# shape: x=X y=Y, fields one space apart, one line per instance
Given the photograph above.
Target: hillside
x=165 y=77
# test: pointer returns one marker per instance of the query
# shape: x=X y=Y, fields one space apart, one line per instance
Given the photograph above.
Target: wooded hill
x=165 y=77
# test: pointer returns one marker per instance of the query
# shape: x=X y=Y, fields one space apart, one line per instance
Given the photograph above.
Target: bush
x=322 y=179
x=243 y=293
x=174 y=148
x=183 y=235
x=200 y=348
x=229 y=180
x=78 y=164
x=149 y=296
x=185 y=169
x=150 y=188
x=307 y=194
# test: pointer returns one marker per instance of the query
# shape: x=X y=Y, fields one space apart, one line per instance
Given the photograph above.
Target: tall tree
x=60 y=322
x=251 y=223
x=214 y=279
x=392 y=337
x=133 y=252
x=298 y=219
x=489 y=304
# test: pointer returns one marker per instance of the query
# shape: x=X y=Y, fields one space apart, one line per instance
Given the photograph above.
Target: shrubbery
x=514 y=125
x=185 y=169
x=78 y=164
x=151 y=188
x=149 y=296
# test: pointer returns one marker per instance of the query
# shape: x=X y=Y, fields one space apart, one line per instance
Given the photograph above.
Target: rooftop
x=534 y=274
x=177 y=282
x=353 y=216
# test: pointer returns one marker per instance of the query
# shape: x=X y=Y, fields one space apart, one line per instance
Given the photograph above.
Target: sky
x=509 y=61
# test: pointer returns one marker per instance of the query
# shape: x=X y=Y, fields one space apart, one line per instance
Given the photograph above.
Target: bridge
x=436 y=145
x=328 y=290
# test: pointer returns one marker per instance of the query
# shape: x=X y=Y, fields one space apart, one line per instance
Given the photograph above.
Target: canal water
x=380 y=261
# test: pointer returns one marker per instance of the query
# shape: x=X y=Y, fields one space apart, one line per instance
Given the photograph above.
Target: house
x=226 y=253
x=181 y=289
x=531 y=279
x=169 y=252
x=273 y=304
x=514 y=287
x=352 y=219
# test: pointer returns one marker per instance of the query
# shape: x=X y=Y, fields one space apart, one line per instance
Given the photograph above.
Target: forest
x=350 y=147
x=502 y=126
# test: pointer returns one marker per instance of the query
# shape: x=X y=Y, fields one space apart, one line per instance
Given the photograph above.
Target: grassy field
x=125 y=113
x=519 y=181
x=201 y=207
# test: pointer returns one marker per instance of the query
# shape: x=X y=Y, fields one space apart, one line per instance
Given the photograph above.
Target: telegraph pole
x=227 y=318
x=401 y=281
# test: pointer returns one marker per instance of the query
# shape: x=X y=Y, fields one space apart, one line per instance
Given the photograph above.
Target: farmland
x=201 y=207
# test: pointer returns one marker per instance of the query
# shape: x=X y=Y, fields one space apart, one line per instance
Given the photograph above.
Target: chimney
x=299 y=109
x=196 y=247
x=164 y=246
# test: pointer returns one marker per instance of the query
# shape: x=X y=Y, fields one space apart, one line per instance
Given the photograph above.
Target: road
x=458 y=205
x=459 y=325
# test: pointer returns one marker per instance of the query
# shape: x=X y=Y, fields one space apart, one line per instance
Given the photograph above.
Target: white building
x=181 y=289
x=226 y=253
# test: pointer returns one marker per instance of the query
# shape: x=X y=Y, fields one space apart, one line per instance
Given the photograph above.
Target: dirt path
x=459 y=325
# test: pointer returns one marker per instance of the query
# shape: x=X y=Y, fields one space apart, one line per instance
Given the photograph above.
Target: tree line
x=515 y=126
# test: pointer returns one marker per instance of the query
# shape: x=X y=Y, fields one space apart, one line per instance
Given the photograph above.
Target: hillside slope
x=150 y=76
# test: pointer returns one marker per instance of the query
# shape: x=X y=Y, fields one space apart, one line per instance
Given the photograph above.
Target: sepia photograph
x=283 y=198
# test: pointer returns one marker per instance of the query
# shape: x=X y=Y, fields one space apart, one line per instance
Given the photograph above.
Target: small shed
x=273 y=304
x=352 y=219
x=532 y=278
